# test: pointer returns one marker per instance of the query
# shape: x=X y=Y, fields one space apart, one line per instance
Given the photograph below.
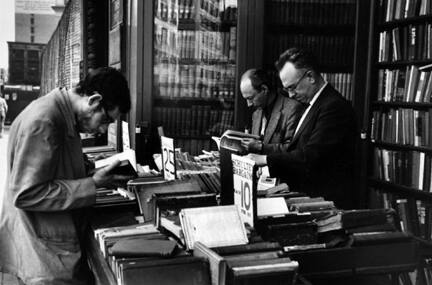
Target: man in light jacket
x=42 y=216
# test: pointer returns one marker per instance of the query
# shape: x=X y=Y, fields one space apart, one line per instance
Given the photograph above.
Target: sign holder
x=168 y=158
x=245 y=188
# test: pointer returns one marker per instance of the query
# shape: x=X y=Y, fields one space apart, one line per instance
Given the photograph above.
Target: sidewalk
x=3 y=150
x=5 y=279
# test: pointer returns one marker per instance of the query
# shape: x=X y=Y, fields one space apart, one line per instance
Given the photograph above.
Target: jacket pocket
x=54 y=227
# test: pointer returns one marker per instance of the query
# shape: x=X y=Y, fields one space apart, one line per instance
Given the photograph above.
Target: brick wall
x=63 y=53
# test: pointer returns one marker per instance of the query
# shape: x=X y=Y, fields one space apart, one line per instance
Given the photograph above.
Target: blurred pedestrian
x=3 y=111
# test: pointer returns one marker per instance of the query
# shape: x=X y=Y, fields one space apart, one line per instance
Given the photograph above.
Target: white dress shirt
x=315 y=97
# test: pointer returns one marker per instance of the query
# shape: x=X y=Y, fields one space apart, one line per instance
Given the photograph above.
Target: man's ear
x=94 y=99
x=264 y=88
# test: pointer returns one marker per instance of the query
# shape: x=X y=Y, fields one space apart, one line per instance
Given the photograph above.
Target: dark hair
x=109 y=83
x=258 y=78
x=300 y=58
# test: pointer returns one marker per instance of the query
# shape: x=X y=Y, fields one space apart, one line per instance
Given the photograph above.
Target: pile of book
x=205 y=169
x=140 y=254
x=358 y=221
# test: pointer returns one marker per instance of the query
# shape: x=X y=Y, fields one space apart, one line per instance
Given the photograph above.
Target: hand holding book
x=252 y=145
x=105 y=176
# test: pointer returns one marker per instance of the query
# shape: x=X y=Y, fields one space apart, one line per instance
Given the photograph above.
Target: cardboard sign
x=168 y=158
x=245 y=198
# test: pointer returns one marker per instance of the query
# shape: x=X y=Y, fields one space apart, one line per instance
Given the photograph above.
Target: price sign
x=245 y=187
x=168 y=158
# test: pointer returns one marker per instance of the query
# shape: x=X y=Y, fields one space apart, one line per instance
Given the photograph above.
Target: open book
x=232 y=140
x=127 y=163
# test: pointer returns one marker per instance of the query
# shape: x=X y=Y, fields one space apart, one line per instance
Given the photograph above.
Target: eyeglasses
x=106 y=119
x=293 y=87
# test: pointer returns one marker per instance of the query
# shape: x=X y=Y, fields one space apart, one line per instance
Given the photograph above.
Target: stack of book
x=204 y=169
x=358 y=221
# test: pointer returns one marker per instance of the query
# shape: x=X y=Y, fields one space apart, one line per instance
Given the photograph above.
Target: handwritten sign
x=168 y=158
x=244 y=187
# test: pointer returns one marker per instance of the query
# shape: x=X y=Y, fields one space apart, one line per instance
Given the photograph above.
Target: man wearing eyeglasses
x=320 y=158
x=42 y=210
x=275 y=117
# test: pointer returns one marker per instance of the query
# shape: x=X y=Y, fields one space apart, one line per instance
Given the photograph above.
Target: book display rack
x=401 y=118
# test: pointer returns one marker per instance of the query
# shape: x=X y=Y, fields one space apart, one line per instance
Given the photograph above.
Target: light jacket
x=41 y=208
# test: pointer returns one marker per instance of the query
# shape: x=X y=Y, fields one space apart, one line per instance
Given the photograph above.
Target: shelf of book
x=402 y=63
x=399 y=104
x=312 y=28
x=399 y=117
x=400 y=189
x=406 y=21
x=394 y=146
x=187 y=101
x=327 y=28
x=194 y=68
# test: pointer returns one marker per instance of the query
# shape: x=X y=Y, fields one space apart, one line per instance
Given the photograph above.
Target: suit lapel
x=271 y=126
x=274 y=119
x=311 y=114
x=256 y=122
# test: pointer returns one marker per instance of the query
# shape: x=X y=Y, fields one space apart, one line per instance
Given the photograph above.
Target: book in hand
x=127 y=165
x=232 y=140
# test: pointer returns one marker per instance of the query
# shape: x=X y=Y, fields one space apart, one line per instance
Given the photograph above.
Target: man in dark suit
x=320 y=158
x=275 y=117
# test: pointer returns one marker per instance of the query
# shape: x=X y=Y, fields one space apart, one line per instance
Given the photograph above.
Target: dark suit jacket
x=320 y=159
x=280 y=129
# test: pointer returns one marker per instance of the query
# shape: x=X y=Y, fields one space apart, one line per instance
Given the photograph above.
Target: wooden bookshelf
x=187 y=101
x=194 y=65
x=397 y=110
x=312 y=28
x=403 y=63
x=394 y=146
x=397 y=104
x=406 y=21
x=400 y=189
x=327 y=28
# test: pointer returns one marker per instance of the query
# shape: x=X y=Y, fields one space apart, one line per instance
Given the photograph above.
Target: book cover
x=137 y=247
x=213 y=226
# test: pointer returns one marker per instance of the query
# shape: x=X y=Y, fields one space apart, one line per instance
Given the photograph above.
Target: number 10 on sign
x=244 y=173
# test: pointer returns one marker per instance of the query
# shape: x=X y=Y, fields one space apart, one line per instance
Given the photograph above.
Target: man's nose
x=249 y=103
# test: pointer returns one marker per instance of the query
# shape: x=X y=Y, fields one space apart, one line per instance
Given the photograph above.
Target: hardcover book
x=213 y=226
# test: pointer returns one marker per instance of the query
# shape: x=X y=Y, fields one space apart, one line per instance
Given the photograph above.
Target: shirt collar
x=315 y=97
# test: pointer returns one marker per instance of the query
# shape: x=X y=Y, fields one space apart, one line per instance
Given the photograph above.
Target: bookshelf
x=398 y=112
x=327 y=27
x=194 y=70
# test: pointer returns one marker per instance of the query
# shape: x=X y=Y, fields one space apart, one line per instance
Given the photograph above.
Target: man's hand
x=103 y=177
x=252 y=145
x=260 y=159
